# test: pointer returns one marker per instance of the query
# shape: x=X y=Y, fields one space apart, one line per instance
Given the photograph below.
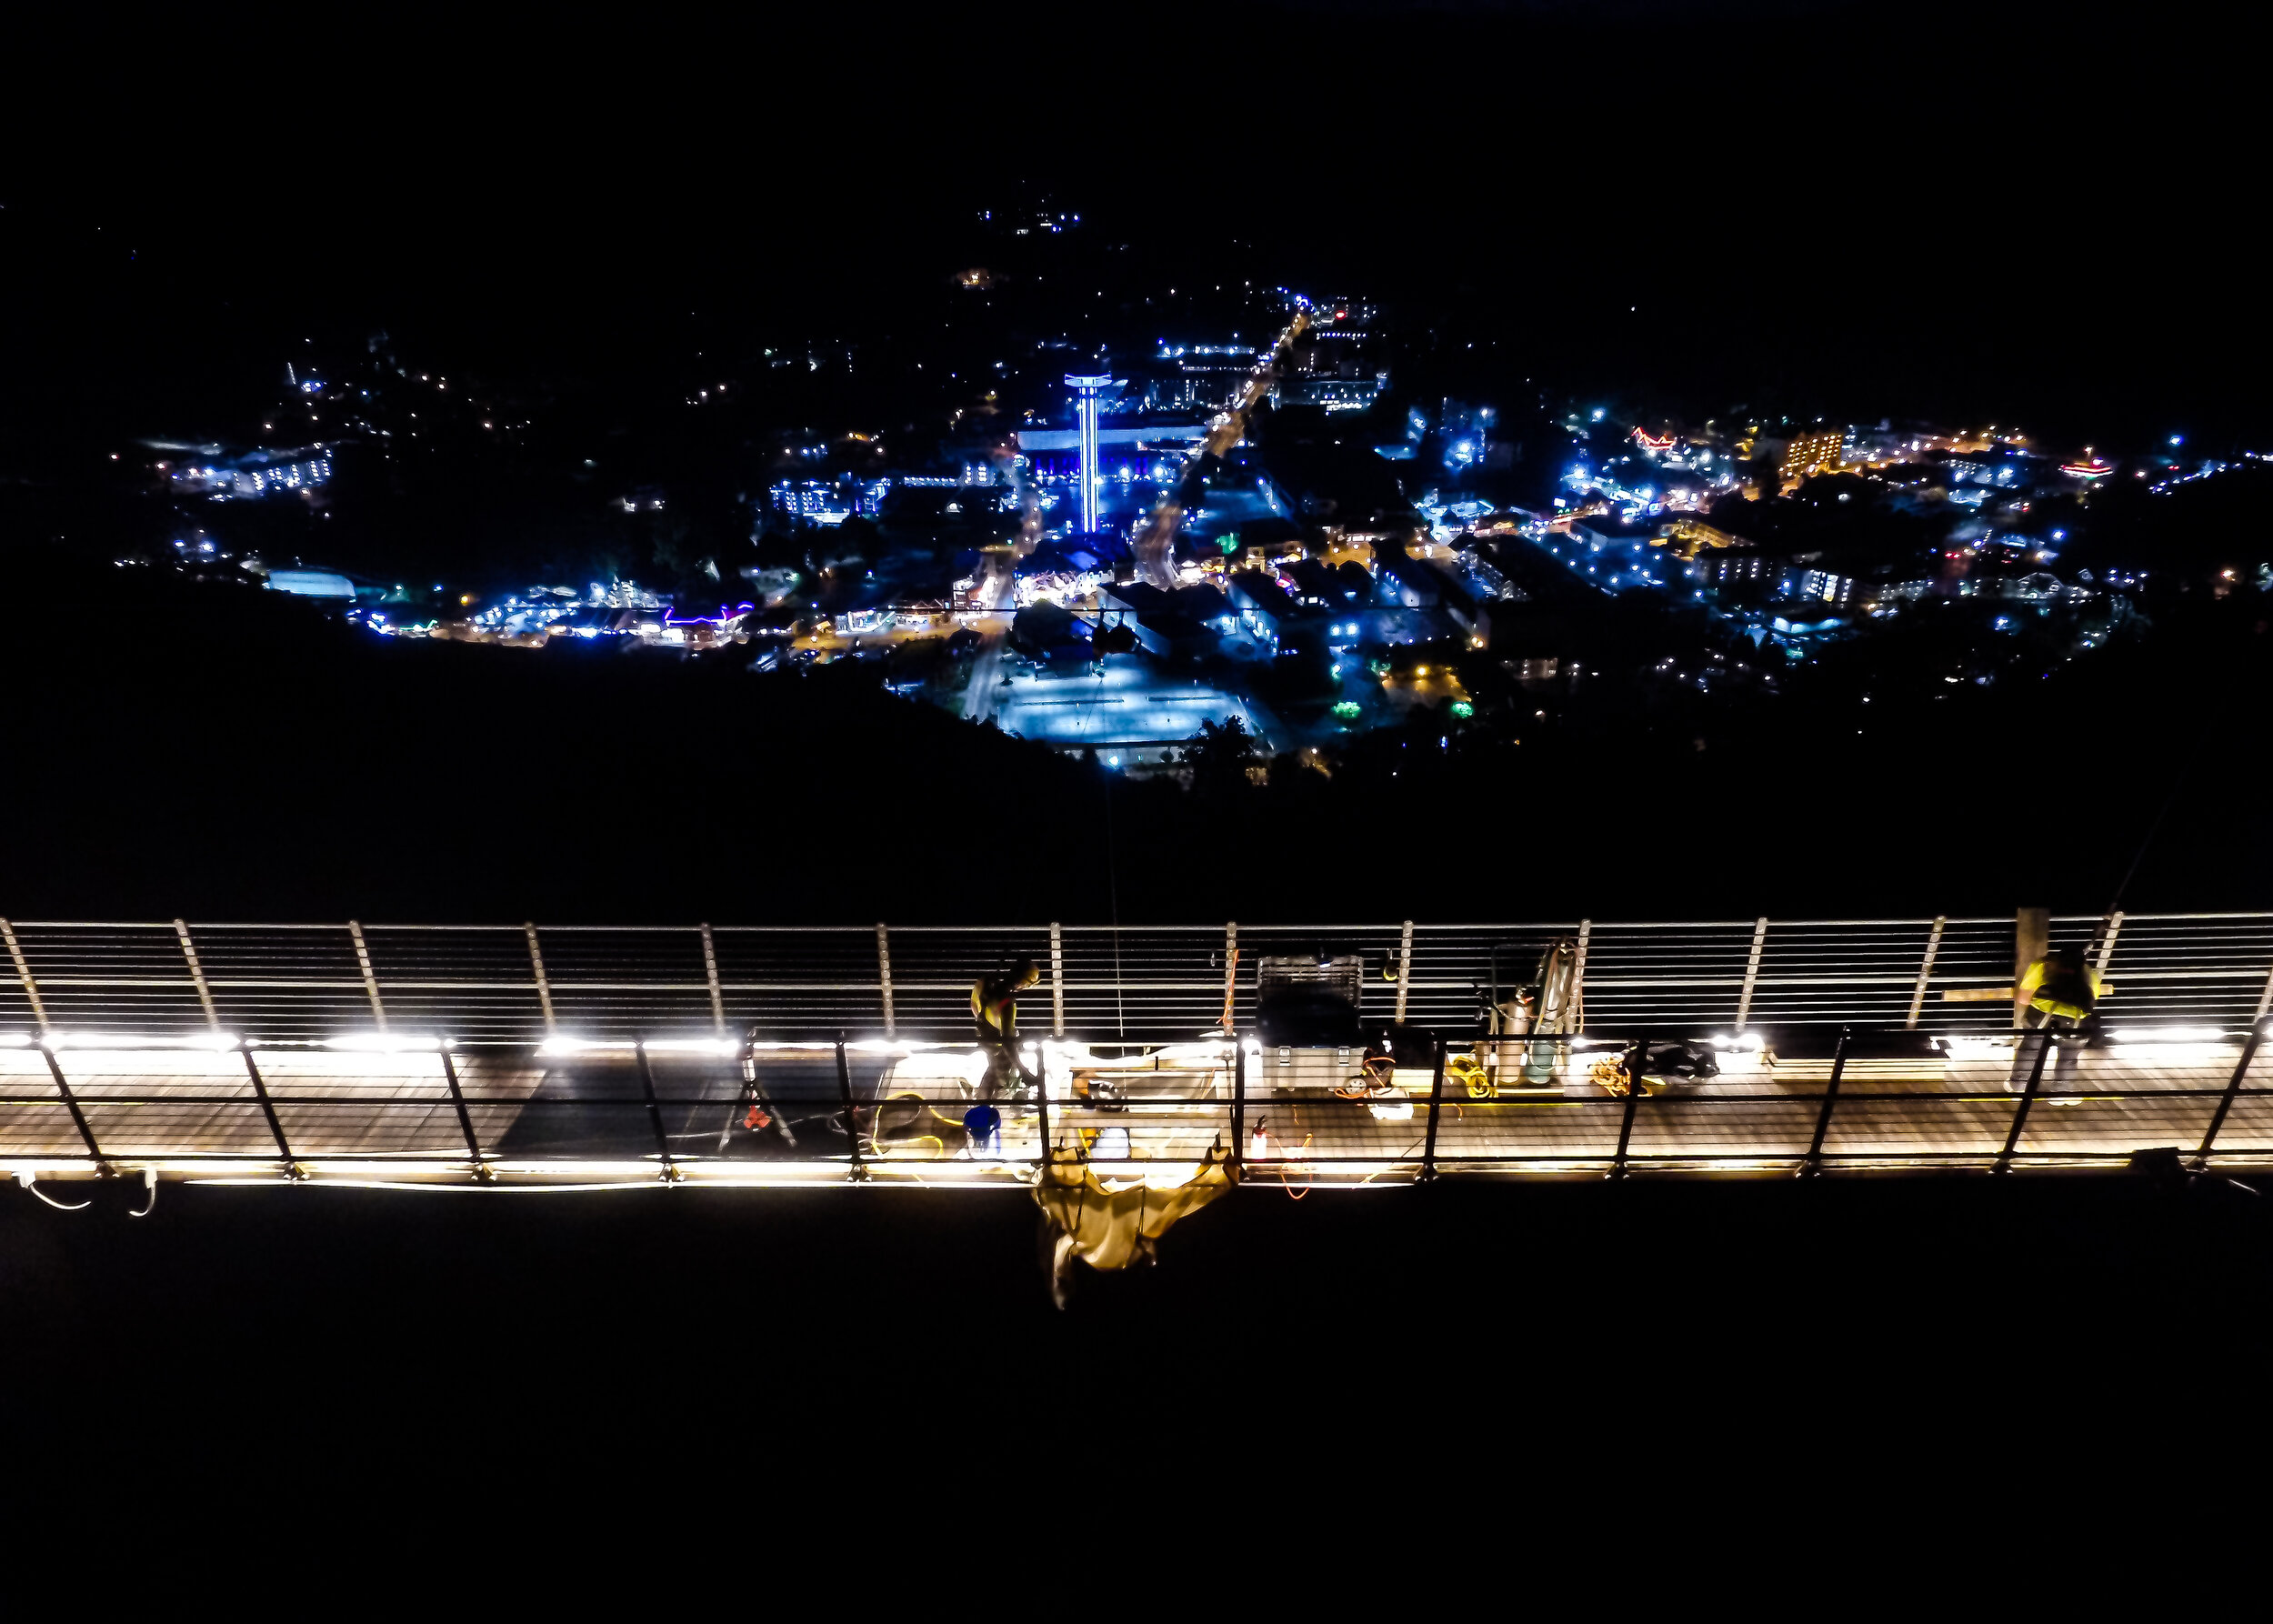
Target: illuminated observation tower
x=1086 y=391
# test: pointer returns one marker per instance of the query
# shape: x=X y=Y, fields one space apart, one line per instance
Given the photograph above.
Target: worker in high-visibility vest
x=2062 y=987
x=994 y=1015
x=2063 y=991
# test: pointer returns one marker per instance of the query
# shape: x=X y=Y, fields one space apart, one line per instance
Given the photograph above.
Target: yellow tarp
x=1107 y=1225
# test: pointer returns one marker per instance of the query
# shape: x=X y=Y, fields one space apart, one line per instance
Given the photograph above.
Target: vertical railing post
x=197 y=976
x=1633 y=1101
x=1830 y=1102
x=1751 y=974
x=1238 y=1107
x=1230 y=975
x=852 y=1112
x=710 y=973
x=1404 y=969
x=883 y=975
x=2233 y=1089
x=1042 y=1105
x=267 y=1107
x=1926 y=972
x=654 y=1105
x=1579 y=977
x=1057 y=981
x=31 y=987
x=544 y=987
x=370 y=973
x=465 y=1116
x=1436 y=1104
x=71 y=1104
x=2027 y=1098
x=2108 y=931
x=2265 y=998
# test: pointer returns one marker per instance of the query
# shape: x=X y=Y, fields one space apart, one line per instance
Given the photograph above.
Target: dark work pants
x=1005 y=1076
x=2059 y=1030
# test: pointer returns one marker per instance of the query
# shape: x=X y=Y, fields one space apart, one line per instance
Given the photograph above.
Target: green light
x=1346 y=709
x=1461 y=708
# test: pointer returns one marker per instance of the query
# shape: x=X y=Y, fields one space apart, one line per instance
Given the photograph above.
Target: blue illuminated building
x=256 y=474
x=830 y=501
x=1087 y=389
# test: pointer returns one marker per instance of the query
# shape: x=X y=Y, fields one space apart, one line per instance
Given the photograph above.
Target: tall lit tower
x=1086 y=392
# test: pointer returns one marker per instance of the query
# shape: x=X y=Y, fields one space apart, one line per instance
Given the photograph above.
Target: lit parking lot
x=1128 y=702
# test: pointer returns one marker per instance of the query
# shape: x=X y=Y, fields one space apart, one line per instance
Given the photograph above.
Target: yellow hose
x=939 y=1145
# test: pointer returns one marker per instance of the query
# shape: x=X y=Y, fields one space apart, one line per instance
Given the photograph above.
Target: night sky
x=1994 y=212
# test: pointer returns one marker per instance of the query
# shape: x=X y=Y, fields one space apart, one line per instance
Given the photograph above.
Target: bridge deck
x=532 y=1115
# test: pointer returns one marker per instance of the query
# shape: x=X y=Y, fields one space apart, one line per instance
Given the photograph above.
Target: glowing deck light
x=557 y=1049
x=220 y=1042
x=1978 y=1048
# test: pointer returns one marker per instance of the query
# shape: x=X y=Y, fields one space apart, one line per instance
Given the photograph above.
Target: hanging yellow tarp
x=1110 y=1228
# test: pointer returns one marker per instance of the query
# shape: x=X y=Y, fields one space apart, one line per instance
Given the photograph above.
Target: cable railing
x=489 y=984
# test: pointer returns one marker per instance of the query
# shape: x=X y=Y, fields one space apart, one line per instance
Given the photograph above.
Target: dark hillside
x=212 y=751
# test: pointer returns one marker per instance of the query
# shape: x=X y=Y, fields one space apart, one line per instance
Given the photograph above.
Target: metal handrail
x=276 y=981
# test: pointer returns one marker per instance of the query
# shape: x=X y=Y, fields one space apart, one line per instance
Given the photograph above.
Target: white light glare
x=561 y=1048
x=212 y=1040
x=383 y=1043
x=2169 y=1035
x=1978 y=1048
